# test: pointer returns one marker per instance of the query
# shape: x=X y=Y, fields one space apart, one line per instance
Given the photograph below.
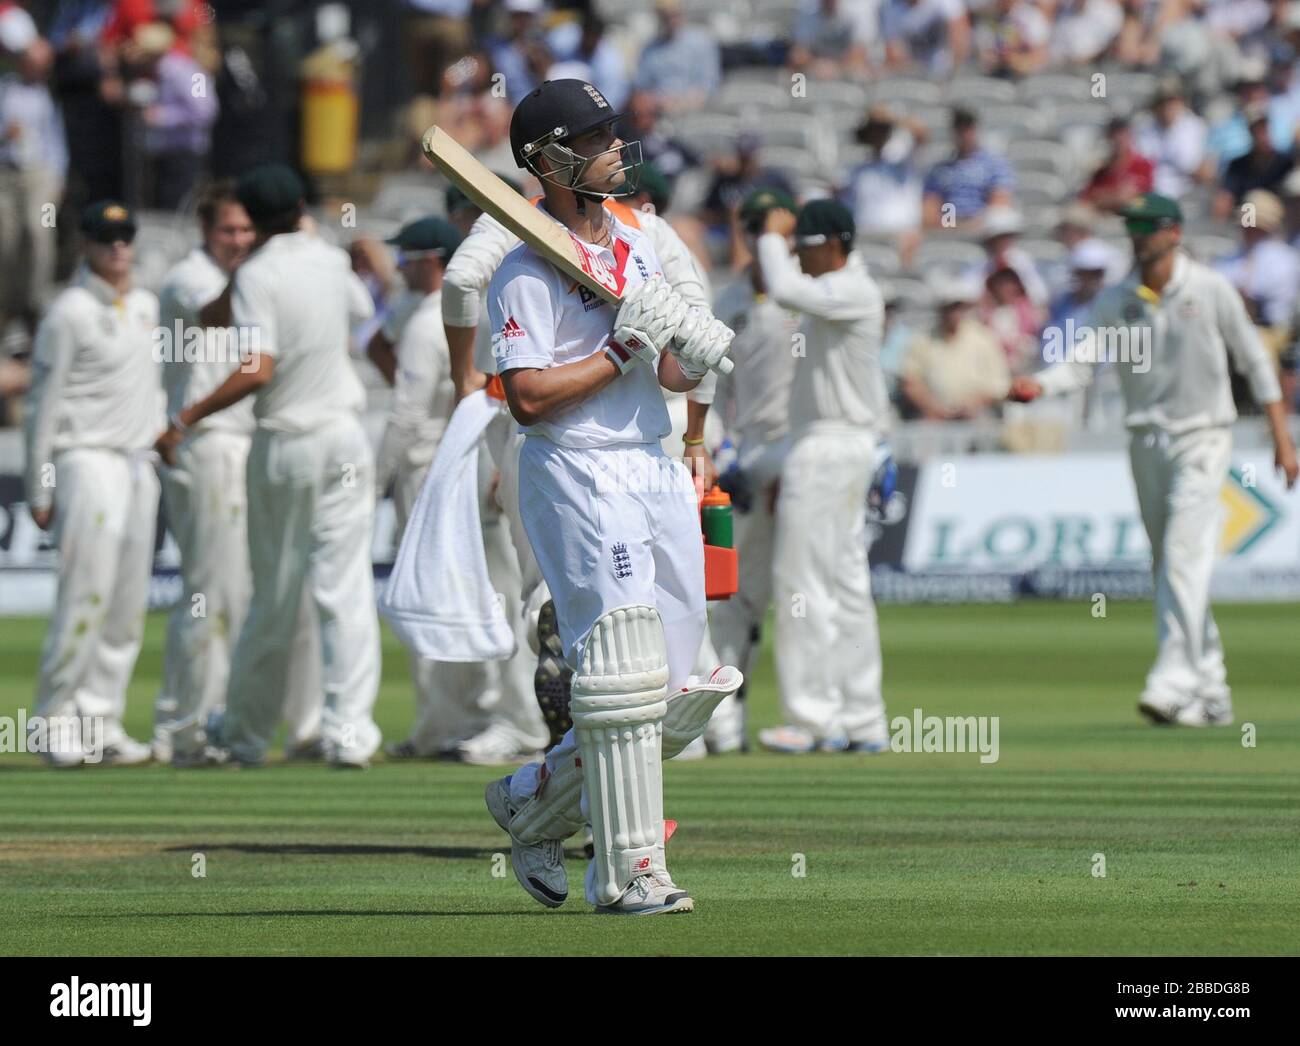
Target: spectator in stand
x=958 y=371
x=958 y=191
x=178 y=125
x=1085 y=30
x=1138 y=43
x=522 y=56
x=1012 y=37
x=1231 y=138
x=931 y=34
x=884 y=191
x=436 y=33
x=1261 y=168
x=640 y=123
x=1001 y=228
x=830 y=40
x=1265 y=270
x=1013 y=318
x=1290 y=231
x=33 y=165
x=681 y=65
x=1089 y=262
x=583 y=51
x=1174 y=141
x=1126 y=173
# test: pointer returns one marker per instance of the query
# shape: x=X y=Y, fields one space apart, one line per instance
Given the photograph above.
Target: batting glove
x=701 y=342
x=647 y=319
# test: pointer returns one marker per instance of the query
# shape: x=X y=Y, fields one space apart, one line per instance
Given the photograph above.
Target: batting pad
x=691 y=707
x=618 y=706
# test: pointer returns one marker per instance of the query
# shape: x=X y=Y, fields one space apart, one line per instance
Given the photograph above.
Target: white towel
x=439 y=598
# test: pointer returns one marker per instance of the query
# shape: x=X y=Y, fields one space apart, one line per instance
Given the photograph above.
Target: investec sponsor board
x=1068 y=521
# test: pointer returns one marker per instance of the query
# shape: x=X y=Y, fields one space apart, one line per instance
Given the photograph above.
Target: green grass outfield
x=904 y=853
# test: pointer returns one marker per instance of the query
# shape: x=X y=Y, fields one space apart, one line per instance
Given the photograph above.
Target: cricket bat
x=543 y=234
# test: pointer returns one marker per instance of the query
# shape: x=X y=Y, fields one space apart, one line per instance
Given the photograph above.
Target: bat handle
x=725 y=366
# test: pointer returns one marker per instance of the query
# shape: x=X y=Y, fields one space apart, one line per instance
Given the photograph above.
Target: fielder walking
x=310 y=477
x=1178 y=410
x=612 y=521
x=94 y=407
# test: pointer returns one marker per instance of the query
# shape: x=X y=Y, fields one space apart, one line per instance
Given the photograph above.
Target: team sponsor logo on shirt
x=590 y=300
x=511 y=329
x=622 y=561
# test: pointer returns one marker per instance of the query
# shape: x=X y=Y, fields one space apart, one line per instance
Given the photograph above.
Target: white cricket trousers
x=105 y=511
x=311 y=506
x=1179 y=480
x=827 y=639
x=735 y=623
x=207 y=513
x=612 y=526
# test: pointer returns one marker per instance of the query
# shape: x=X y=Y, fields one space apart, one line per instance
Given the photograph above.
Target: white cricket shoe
x=1202 y=712
x=539 y=867
x=651 y=894
x=498 y=744
x=795 y=740
x=126 y=751
x=1162 y=711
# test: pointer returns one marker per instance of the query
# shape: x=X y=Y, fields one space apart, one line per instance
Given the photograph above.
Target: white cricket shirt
x=302 y=297
x=754 y=399
x=1197 y=322
x=197 y=365
x=541 y=318
x=94 y=379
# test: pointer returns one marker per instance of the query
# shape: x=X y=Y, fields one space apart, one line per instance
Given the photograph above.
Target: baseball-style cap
x=822 y=220
x=948 y=289
x=1269 y=210
x=427 y=236
x=107 y=221
x=1002 y=221
x=1090 y=255
x=759 y=202
x=270 y=190
x=1154 y=209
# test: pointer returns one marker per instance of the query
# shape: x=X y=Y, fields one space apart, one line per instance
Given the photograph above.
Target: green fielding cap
x=106 y=221
x=270 y=190
x=822 y=220
x=759 y=202
x=428 y=234
x=1153 y=207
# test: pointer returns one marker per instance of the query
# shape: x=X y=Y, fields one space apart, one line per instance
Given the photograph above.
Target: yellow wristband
x=693 y=442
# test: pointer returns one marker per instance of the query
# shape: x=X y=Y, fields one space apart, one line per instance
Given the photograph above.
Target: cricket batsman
x=95 y=399
x=612 y=520
x=1179 y=411
x=467 y=276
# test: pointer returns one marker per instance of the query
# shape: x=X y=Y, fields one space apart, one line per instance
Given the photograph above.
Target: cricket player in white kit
x=612 y=521
x=1186 y=321
x=310 y=477
x=207 y=506
x=754 y=402
x=467 y=276
x=827 y=638
x=94 y=399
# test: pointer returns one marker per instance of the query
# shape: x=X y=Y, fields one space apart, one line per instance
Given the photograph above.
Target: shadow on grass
x=444 y=853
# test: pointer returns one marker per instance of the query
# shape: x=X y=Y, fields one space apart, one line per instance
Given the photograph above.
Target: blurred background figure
x=830 y=39
x=33 y=166
x=884 y=191
x=1265 y=270
x=681 y=65
x=1124 y=174
x=959 y=370
x=958 y=191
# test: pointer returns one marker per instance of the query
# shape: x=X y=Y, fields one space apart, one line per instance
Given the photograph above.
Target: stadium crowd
x=983 y=147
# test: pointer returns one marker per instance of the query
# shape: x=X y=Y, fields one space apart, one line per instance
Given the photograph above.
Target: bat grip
x=725 y=366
